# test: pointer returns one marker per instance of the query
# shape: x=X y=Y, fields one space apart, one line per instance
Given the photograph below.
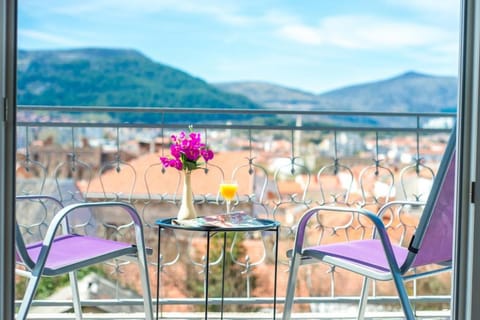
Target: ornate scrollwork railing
x=303 y=175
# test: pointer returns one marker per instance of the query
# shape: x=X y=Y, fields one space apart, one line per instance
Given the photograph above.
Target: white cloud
x=302 y=34
x=277 y=17
x=47 y=38
x=366 y=32
x=226 y=12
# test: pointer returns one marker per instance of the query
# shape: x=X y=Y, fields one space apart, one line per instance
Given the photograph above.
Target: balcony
x=286 y=163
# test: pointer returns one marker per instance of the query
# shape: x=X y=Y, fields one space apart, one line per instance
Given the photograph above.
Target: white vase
x=187 y=210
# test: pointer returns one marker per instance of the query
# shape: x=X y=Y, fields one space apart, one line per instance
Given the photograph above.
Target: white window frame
x=466 y=271
x=466 y=275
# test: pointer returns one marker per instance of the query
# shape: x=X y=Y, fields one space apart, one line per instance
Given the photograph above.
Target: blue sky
x=311 y=45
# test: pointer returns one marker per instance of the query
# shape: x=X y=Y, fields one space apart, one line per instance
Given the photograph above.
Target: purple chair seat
x=369 y=253
x=68 y=250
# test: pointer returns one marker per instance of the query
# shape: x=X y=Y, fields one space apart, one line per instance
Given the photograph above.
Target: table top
x=259 y=224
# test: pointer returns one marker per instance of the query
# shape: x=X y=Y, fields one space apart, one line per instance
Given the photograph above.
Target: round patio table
x=255 y=225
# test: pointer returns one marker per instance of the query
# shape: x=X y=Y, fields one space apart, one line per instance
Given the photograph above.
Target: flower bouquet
x=187 y=153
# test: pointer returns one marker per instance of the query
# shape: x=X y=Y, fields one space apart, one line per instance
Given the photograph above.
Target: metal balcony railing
x=285 y=161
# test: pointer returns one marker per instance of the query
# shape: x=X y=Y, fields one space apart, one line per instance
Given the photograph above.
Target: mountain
x=111 y=77
x=114 y=77
x=271 y=95
x=409 y=92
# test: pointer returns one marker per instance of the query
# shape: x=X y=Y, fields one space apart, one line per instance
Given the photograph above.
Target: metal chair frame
x=431 y=244
x=38 y=258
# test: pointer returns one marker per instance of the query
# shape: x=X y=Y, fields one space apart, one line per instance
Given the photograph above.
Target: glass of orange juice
x=228 y=189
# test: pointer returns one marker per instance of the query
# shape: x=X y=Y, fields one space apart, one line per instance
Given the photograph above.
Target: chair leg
x=77 y=307
x=28 y=297
x=362 y=305
x=147 y=295
x=292 y=279
x=402 y=294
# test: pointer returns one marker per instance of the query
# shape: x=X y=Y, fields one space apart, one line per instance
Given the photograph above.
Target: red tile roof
x=144 y=174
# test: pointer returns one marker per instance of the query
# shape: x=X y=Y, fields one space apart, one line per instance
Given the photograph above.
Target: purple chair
x=60 y=254
x=378 y=258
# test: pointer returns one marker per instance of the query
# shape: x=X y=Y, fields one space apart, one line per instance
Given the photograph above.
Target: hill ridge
x=126 y=77
x=407 y=92
x=114 y=77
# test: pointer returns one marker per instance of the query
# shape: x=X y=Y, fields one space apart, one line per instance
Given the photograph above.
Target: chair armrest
x=302 y=223
x=374 y=218
x=398 y=203
x=20 y=243
x=58 y=218
x=390 y=204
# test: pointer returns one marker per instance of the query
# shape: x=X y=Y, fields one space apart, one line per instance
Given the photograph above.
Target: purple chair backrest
x=433 y=240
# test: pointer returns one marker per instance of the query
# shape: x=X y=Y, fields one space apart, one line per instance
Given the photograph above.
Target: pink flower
x=186 y=151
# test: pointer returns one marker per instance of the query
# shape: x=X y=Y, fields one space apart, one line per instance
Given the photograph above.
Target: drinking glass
x=228 y=188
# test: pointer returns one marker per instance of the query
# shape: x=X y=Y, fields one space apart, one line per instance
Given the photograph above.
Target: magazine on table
x=231 y=220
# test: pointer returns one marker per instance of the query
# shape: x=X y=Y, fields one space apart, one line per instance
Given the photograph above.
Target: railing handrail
x=134 y=109
x=415 y=127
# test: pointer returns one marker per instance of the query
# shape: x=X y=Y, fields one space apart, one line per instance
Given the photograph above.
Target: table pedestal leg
x=207 y=271
x=158 y=268
x=223 y=272
x=275 y=276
